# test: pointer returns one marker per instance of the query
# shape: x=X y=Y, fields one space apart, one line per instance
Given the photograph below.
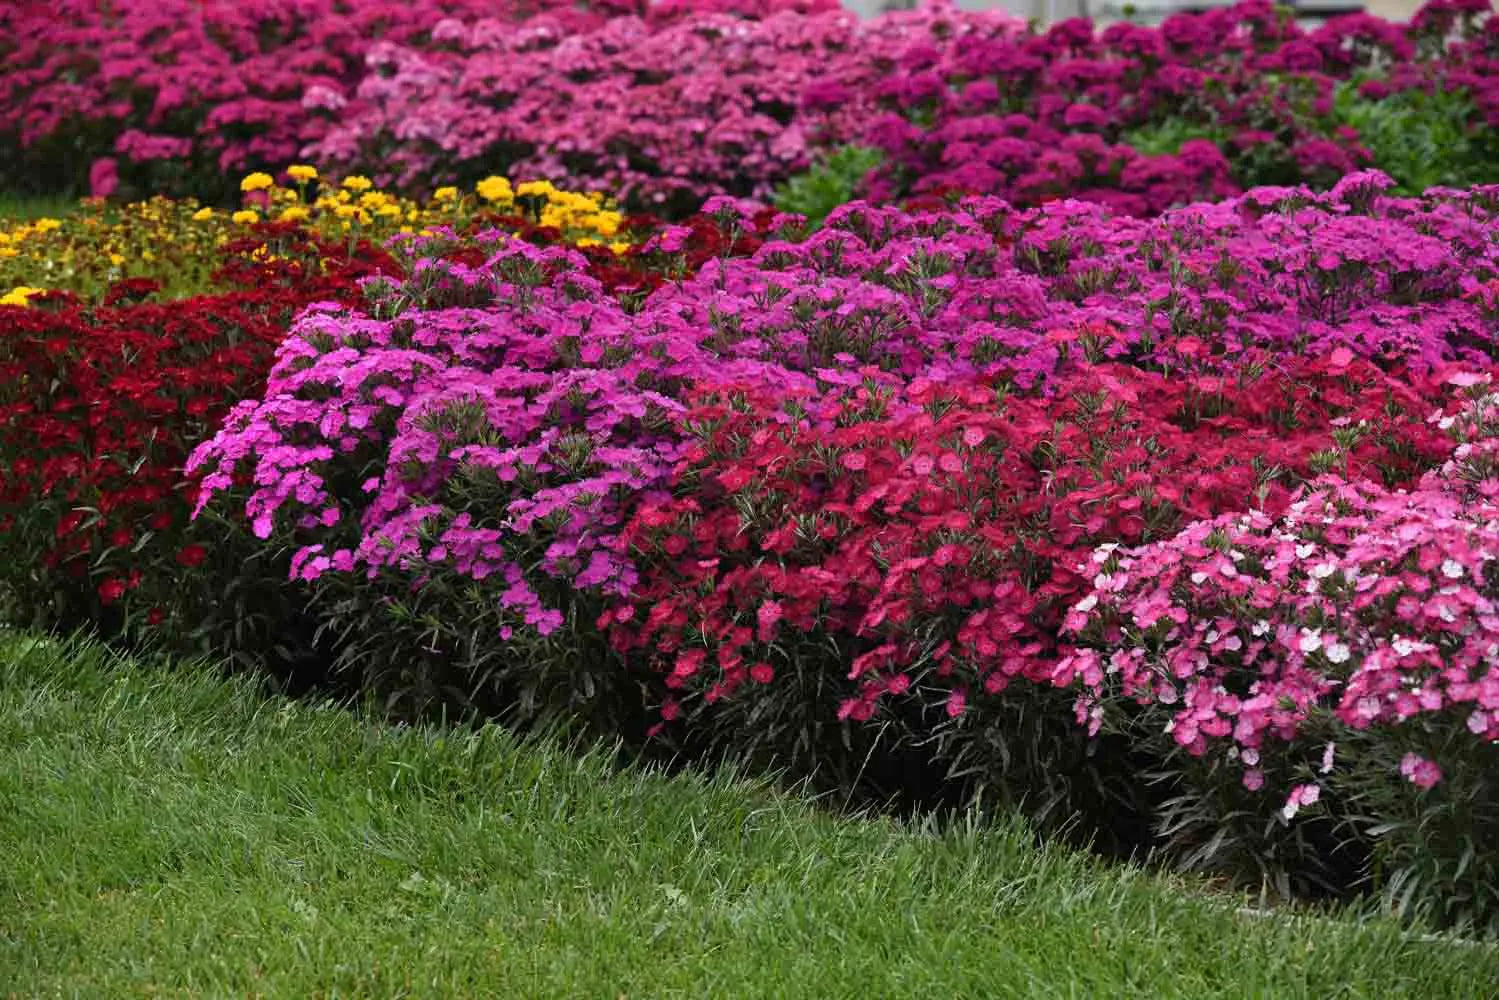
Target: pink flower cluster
x=662 y=113
x=1247 y=92
x=666 y=104
x=228 y=86
x=1379 y=607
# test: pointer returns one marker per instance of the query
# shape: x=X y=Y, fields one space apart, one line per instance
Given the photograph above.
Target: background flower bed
x=673 y=104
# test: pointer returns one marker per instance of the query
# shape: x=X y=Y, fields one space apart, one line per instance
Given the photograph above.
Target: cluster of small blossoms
x=1379 y=608
x=521 y=382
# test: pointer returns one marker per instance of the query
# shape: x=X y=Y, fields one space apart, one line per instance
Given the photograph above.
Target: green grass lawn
x=169 y=833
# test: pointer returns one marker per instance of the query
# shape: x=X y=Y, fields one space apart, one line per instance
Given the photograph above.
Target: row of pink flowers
x=669 y=104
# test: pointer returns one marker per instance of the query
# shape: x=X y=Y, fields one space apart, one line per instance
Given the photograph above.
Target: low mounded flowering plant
x=1374 y=605
x=99 y=406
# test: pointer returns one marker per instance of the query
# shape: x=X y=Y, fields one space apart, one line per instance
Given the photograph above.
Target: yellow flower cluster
x=175 y=242
x=98 y=243
x=17 y=296
x=568 y=211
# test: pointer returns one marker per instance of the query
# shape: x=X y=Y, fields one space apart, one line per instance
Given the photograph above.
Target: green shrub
x=1421 y=139
x=834 y=181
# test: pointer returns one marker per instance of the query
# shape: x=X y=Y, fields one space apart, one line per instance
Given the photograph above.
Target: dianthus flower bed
x=665 y=105
x=1127 y=455
x=140 y=324
x=1182 y=521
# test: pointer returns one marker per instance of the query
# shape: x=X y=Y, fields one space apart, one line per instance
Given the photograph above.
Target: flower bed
x=141 y=324
x=849 y=490
x=670 y=105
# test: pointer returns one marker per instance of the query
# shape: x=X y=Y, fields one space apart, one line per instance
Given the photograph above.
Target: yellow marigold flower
x=344 y=211
x=445 y=194
x=619 y=247
x=589 y=241
x=46 y=225
x=389 y=211
x=244 y=217
x=358 y=183
x=535 y=187
x=17 y=296
x=607 y=223
x=294 y=214
x=257 y=182
x=203 y=215
x=116 y=259
x=302 y=172
x=495 y=189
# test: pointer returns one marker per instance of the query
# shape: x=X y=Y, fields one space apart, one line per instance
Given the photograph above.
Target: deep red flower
x=192 y=555
x=111 y=590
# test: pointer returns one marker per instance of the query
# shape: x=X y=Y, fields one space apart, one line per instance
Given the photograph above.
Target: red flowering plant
x=903 y=555
x=1339 y=656
x=99 y=406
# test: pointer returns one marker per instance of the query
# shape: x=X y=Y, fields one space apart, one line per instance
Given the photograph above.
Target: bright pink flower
x=1301 y=796
x=1420 y=771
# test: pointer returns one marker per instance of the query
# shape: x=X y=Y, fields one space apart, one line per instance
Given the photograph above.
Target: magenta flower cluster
x=526 y=379
x=667 y=104
x=1249 y=92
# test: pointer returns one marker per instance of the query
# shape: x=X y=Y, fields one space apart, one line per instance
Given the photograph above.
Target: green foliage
x=834 y=181
x=1165 y=138
x=170 y=833
x=1421 y=139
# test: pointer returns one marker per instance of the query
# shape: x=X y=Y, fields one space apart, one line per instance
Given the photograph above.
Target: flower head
x=496 y=189
x=1419 y=771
